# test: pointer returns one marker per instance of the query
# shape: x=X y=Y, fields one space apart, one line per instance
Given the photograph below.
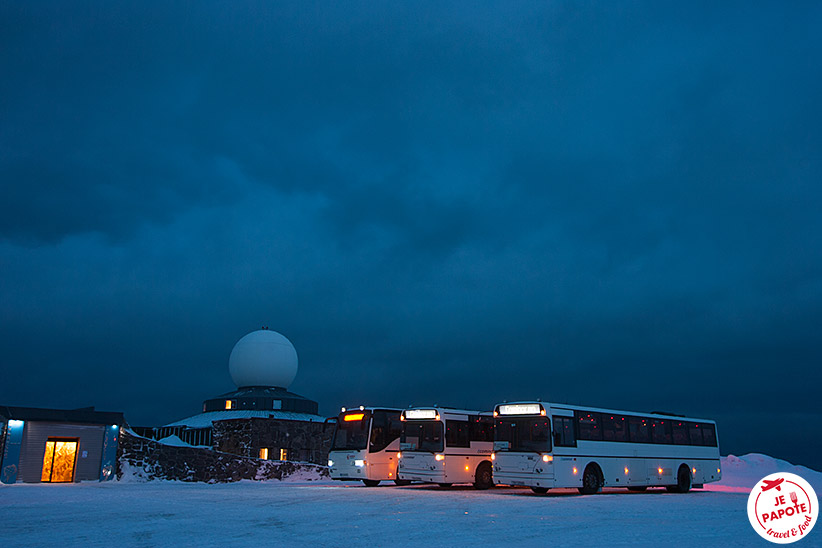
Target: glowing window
x=283 y=454
x=264 y=453
x=229 y=404
x=59 y=460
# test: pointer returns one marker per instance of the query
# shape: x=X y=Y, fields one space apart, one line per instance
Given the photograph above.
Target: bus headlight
x=330 y=463
x=547 y=458
x=359 y=462
x=493 y=456
x=439 y=456
x=399 y=455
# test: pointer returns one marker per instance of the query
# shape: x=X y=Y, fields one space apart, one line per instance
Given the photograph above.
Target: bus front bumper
x=425 y=476
x=529 y=479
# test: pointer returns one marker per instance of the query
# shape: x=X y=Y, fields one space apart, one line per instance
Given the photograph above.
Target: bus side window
x=564 y=432
x=379 y=435
x=638 y=430
x=680 y=433
x=481 y=428
x=456 y=434
x=709 y=435
x=590 y=425
x=614 y=428
x=661 y=431
x=696 y=433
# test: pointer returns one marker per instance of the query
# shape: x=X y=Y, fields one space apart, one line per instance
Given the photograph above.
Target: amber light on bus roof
x=354 y=417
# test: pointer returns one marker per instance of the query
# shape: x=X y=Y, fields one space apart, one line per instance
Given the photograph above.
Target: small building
x=58 y=445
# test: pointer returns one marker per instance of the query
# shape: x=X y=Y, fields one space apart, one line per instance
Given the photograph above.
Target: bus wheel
x=539 y=490
x=638 y=489
x=445 y=484
x=402 y=482
x=591 y=480
x=483 y=478
x=683 y=481
x=371 y=483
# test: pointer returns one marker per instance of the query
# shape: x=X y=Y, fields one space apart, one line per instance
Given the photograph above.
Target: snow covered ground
x=325 y=513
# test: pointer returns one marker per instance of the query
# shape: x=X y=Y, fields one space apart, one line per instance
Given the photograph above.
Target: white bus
x=447 y=446
x=365 y=445
x=545 y=445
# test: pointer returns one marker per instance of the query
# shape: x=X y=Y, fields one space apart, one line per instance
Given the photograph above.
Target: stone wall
x=302 y=440
x=148 y=459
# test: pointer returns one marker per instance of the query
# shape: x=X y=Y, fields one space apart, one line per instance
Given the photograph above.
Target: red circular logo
x=783 y=508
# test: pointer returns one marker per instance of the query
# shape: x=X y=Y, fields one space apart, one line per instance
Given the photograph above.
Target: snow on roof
x=175 y=441
x=204 y=420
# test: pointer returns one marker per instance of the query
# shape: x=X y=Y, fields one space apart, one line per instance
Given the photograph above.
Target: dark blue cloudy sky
x=613 y=204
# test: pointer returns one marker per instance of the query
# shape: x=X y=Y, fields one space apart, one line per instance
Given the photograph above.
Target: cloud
x=588 y=203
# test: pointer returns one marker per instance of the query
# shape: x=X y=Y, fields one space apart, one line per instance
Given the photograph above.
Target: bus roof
x=440 y=410
x=369 y=408
x=569 y=407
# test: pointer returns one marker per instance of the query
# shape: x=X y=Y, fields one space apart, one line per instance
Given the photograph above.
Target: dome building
x=261 y=418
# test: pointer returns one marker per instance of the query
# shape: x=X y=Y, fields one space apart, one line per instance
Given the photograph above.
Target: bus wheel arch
x=483 y=475
x=683 y=480
x=371 y=483
x=592 y=479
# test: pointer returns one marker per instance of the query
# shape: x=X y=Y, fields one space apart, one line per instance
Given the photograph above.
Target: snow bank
x=740 y=474
x=133 y=474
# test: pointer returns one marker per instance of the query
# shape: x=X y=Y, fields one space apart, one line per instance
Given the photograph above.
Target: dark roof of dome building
x=261 y=398
x=260 y=392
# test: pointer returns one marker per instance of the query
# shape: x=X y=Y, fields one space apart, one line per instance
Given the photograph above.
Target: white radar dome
x=263 y=358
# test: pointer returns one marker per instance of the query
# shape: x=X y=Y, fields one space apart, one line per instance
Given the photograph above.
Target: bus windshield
x=524 y=434
x=352 y=434
x=422 y=436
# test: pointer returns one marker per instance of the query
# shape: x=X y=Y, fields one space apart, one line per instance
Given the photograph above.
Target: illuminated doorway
x=59 y=460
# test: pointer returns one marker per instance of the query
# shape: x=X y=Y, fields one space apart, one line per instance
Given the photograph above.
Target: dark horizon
x=607 y=205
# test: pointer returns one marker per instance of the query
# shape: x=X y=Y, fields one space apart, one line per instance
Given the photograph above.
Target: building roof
x=260 y=392
x=86 y=415
x=262 y=398
x=204 y=420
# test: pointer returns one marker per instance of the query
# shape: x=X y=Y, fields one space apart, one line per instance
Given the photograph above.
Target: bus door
x=383 y=444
